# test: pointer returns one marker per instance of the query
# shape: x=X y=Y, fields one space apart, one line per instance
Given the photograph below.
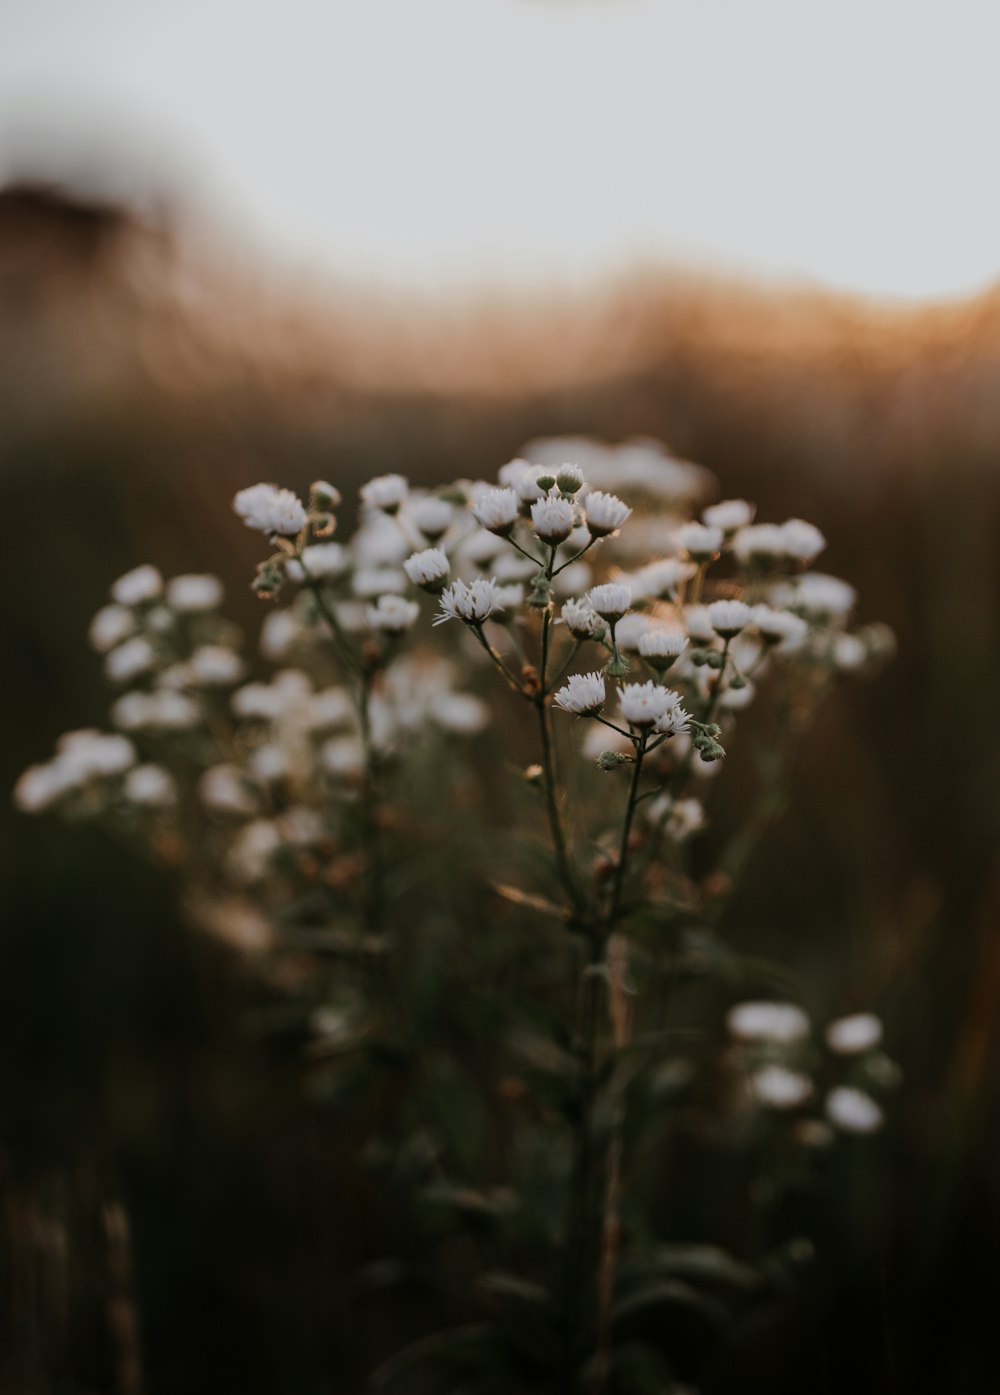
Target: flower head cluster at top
x=587 y=577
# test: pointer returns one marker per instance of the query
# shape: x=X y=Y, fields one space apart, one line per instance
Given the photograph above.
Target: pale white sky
x=851 y=142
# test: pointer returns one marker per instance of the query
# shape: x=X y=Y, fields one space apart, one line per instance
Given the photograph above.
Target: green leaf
x=456 y=1346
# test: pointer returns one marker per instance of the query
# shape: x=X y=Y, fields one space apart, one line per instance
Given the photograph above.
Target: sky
x=438 y=143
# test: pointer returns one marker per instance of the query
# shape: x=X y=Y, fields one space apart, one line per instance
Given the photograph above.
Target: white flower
x=372 y=582
x=553 y=519
x=572 y=579
x=513 y=471
x=630 y=629
x=433 y=517
x=215 y=666
x=583 y=694
x=605 y=513
x=683 y=819
x=393 y=615
x=270 y=763
x=270 y=510
x=698 y=624
x=480 y=547
x=802 y=540
x=150 y=787
x=385 y=492
x=328 y=709
x=699 y=542
x=582 y=619
x=41 y=786
x=96 y=753
x=777 y=1087
x=729 y=515
x=428 y=569
x=853 y=1111
x=223 y=790
x=660 y=579
x=781 y=1023
x=138 y=587
x=779 y=627
x=164 y=710
x=849 y=1036
x=526 y=484
x=473 y=604
x=508 y=598
x=662 y=648
x=849 y=653
x=343 y=757
x=496 y=510
x=823 y=596
x=728 y=618
x=643 y=704
x=760 y=542
x=611 y=600
x=250 y=856
x=279 y=631
x=130 y=659
x=320 y=561
x=462 y=713
x=194 y=593
x=673 y=718
x=109 y=627
x=511 y=566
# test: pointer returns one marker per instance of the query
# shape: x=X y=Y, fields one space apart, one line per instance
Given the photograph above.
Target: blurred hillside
x=145 y=375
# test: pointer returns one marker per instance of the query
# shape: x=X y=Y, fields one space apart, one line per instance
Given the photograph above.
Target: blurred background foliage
x=176 y=1212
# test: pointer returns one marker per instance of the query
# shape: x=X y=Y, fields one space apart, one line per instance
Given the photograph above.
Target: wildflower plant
x=303 y=809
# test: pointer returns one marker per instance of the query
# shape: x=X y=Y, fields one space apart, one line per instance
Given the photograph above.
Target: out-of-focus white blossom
x=223 y=789
x=850 y=1036
x=215 y=666
x=853 y=1111
x=433 y=517
x=630 y=630
x=271 y=510
x=194 y=593
x=849 y=653
x=320 y=562
x=759 y=543
x=129 y=660
x=461 y=713
x=785 y=1024
x=368 y=583
x=819 y=596
x=343 y=757
x=803 y=541
x=700 y=542
x=660 y=579
x=698 y=624
x=780 y=627
x=729 y=515
x=162 y=710
x=583 y=694
x=427 y=569
x=777 y=1087
x=250 y=857
x=393 y=615
x=385 y=492
x=150 y=787
x=138 y=587
x=111 y=625
x=728 y=618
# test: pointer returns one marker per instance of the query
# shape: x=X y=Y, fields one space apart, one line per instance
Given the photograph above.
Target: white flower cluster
x=773 y=1039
